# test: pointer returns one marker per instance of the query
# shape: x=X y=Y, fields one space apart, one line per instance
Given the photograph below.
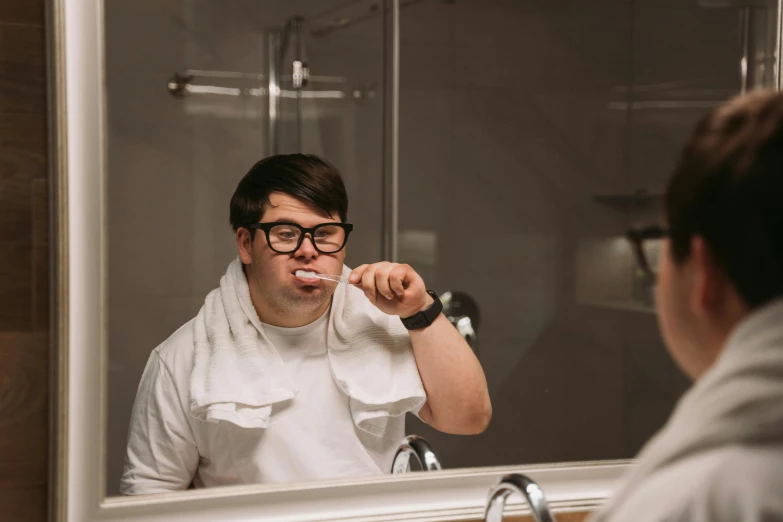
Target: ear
x=709 y=282
x=244 y=245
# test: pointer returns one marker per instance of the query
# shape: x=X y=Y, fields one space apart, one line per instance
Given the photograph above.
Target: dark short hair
x=728 y=189
x=303 y=176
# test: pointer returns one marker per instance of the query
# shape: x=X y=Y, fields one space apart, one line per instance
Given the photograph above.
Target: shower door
x=200 y=90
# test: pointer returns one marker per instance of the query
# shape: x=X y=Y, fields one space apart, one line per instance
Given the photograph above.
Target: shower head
x=292 y=41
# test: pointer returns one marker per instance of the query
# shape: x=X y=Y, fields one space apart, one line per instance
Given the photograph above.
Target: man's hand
x=393 y=288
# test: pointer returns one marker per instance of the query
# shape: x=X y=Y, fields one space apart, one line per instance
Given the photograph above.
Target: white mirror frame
x=78 y=456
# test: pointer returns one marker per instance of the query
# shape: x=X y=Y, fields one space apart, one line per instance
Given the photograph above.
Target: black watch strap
x=424 y=318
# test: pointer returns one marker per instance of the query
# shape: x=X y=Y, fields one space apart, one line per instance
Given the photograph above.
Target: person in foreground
x=285 y=377
x=720 y=308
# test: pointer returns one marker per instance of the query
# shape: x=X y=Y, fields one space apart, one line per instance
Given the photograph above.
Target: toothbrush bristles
x=307 y=274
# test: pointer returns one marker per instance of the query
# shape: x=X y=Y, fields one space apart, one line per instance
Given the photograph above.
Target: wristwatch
x=424 y=318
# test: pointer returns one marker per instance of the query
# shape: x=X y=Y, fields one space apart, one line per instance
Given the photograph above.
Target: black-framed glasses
x=645 y=243
x=285 y=238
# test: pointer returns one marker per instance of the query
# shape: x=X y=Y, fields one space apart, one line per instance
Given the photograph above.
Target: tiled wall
x=24 y=263
x=514 y=117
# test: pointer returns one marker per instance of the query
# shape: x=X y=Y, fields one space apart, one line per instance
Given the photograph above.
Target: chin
x=315 y=295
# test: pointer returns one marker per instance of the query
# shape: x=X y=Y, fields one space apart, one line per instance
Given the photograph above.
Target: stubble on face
x=289 y=301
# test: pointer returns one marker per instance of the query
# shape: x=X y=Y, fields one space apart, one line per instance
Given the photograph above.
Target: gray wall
x=515 y=115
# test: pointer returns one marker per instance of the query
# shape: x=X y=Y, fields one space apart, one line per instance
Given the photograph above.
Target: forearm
x=457 y=396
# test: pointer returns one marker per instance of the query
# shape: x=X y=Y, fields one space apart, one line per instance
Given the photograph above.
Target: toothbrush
x=326 y=277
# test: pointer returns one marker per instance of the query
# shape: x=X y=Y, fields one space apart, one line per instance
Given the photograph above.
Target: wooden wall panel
x=24 y=263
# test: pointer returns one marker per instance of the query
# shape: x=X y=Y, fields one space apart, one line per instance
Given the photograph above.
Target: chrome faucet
x=525 y=486
x=414 y=445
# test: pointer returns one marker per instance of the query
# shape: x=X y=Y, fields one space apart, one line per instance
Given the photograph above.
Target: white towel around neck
x=238 y=374
x=738 y=401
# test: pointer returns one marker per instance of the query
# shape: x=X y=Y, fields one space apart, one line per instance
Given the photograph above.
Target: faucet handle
x=465 y=328
x=463 y=312
x=525 y=486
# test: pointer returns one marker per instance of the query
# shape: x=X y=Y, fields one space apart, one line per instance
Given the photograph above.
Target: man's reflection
x=285 y=377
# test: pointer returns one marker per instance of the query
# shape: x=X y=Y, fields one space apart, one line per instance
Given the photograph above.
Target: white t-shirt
x=310 y=437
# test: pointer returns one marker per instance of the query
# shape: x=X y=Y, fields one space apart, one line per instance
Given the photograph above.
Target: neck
x=719 y=330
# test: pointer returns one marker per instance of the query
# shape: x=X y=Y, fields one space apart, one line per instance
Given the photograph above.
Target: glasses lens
x=284 y=238
x=329 y=238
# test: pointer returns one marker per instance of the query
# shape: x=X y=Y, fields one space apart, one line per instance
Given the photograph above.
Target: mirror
x=512 y=181
x=500 y=150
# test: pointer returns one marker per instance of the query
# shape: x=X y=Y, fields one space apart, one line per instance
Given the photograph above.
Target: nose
x=307 y=249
